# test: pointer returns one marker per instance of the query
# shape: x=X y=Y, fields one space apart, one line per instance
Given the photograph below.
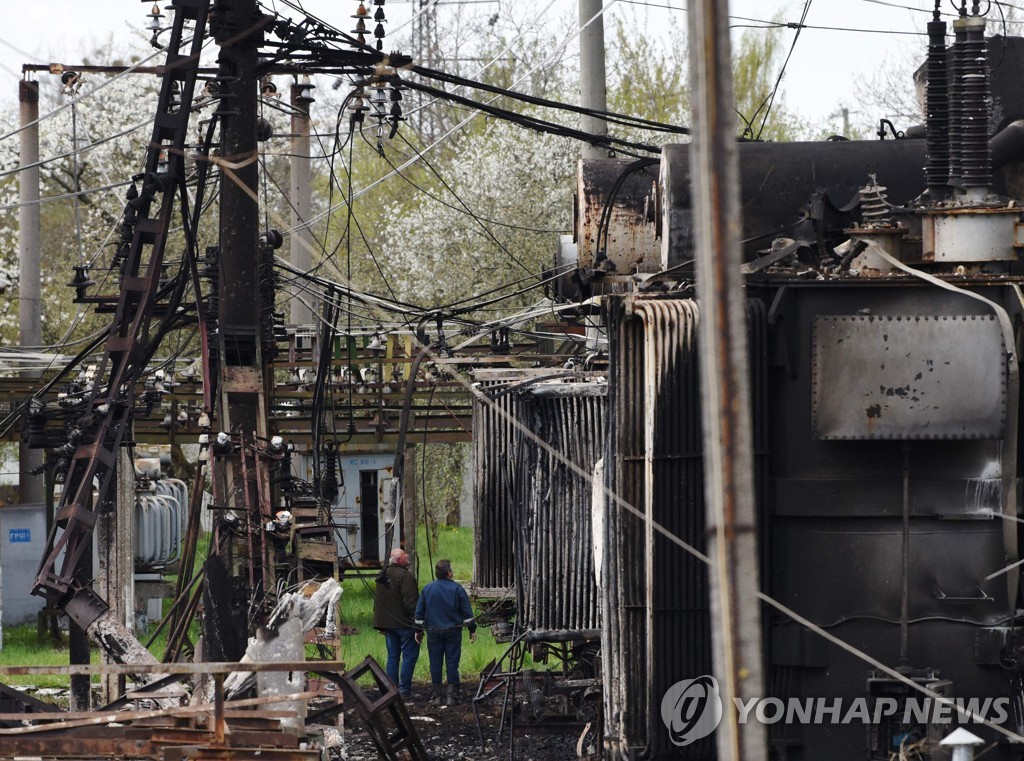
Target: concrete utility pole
x=725 y=382
x=244 y=372
x=301 y=195
x=593 y=88
x=115 y=574
x=30 y=488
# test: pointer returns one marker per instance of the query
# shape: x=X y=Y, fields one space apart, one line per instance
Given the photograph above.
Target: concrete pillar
x=593 y=87
x=301 y=196
x=115 y=534
x=30 y=488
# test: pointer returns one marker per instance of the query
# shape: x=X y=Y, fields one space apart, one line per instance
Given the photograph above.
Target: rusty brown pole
x=725 y=382
x=218 y=709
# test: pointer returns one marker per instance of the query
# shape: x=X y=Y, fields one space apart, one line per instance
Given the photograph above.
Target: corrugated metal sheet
x=555 y=558
x=494 y=444
x=656 y=612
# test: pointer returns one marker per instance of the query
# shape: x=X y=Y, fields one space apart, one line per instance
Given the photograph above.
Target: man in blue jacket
x=442 y=610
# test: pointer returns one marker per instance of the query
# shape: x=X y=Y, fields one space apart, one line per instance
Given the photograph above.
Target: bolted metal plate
x=908 y=377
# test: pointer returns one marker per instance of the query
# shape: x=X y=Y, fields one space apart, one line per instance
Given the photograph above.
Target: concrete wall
x=22 y=539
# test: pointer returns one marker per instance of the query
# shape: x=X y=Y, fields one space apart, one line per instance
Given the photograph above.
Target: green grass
x=22 y=648
x=456 y=544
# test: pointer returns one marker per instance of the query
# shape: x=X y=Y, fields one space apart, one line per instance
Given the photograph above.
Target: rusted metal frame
x=218 y=709
x=238 y=28
x=243 y=456
x=494 y=679
x=176 y=636
x=193 y=524
x=404 y=743
x=169 y=618
x=93 y=719
x=212 y=667
x=134 y=310
x=10 y=697
x=263 y=503
x=141 y=692
x=84 y=747
x=209 y=393
x=725 y=382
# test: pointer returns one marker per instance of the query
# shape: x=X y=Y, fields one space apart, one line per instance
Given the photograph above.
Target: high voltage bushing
x=975 y=155
x=956 y=106
x=937 y=104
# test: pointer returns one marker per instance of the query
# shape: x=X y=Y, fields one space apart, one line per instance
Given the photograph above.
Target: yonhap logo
x=691 y=709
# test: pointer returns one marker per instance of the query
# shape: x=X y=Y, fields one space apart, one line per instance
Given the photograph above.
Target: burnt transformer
x=886 y=311
x=885 y=296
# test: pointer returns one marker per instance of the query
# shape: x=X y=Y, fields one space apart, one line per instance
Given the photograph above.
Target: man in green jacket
x=394 y=604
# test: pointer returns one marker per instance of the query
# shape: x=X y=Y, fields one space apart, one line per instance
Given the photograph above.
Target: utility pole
x=244 y=374
x=425 y=36
x=593 y=88
x=725 y=382
x=30 y=487
x=115 y=572
x=301 y=195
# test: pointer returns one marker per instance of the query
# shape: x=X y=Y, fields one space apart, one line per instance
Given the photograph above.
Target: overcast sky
x=819 y=78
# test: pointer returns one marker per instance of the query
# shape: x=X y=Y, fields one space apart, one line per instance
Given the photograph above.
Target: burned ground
x=450 y=732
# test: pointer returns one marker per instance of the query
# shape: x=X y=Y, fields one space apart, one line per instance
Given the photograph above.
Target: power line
x=770 y=100
x=555 y=53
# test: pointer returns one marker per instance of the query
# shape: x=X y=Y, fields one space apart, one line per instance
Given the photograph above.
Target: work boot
x=437 y=695
x=454 y=694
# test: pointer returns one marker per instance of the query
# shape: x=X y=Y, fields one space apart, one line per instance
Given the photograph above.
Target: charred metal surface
x=627 y=236
x=566 y=693
x=497 y=424
x=836 y=505
x=223 y=625
x=655 y=606
x=790 y=189
x=15 y=701
x=554 y=560
x=495 y=442
x=908 y=377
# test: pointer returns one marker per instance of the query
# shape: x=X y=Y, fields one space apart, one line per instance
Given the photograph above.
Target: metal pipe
x=725 y=382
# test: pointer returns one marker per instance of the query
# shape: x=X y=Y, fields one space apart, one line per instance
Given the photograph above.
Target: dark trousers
x=402 y=649
x=445 y=646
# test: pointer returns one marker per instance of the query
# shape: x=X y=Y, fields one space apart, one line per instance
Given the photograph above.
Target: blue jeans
x=401 y=647
x=445 y=645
